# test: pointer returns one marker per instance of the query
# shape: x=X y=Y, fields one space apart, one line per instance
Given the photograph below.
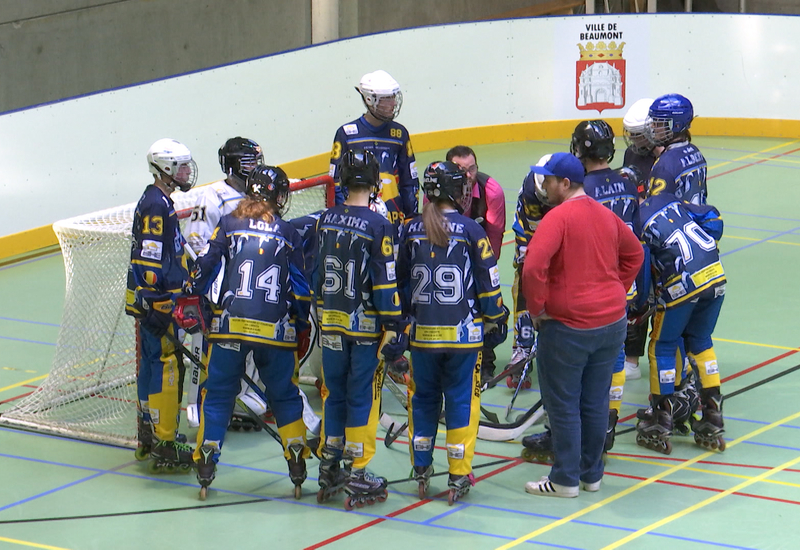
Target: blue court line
x=445 y=514
x=759 y=241
x=30 y=322
x=291 y=500
x=27 y=341
x=760 y=216
x=772 y=446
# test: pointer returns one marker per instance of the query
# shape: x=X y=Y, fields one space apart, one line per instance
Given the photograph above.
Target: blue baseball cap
x=562 y=165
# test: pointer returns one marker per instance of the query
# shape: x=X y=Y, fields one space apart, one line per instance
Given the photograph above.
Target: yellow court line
x=754 y=344
x=685 y=511
x=767 y=150
x=641 y=484
x=32 y=544
x=24 y=382
x=704 y=471
x=752 y=239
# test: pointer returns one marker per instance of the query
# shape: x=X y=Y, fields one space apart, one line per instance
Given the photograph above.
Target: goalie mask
x=359 y=169
x=593 y=139
x=269 y=184
x=171 y=161
x=381 y=94
x=445 y=180
x=634 y=127
x=239 y=156
x=670 y=115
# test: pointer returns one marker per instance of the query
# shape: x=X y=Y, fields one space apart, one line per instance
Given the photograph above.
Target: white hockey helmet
x=381 y=94
x=171 y=158
x=634 y=127
x=538 y=180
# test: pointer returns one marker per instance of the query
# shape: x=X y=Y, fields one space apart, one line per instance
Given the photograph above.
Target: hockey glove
x=188 y=314
x=158 y=317
x=394 y=342
x=303 y=343
x=496 y=336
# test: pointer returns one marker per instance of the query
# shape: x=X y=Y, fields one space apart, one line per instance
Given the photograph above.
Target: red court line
x=715 y=463
x=702 y=488
x=376 y=521
x=748 y=165
x=20 y=396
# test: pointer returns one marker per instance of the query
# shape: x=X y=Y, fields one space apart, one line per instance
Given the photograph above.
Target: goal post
x=90 y=393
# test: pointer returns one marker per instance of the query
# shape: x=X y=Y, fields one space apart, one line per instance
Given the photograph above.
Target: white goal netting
x=90 y=393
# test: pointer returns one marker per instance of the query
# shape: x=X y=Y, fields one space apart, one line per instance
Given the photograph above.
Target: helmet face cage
x=669 y=116
x=239 y=157
x=269 y=184
x=359 y=168
x=171 y=160
x=445 y=180
x=632 y=173
x=634 y=127
x=381 y=95
x=538 y=181
x=593 y=139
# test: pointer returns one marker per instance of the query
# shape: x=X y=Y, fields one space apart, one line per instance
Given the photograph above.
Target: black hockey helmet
x=360 y=168
x=239 y=156
x=268 y=184
x=632 y=173
x=593 y=139
x=445 y=180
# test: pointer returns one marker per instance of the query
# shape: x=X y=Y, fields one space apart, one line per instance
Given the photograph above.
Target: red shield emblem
x=600 y=77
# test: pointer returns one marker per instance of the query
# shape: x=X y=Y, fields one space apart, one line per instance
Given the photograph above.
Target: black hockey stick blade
x=490 y=416
x=391 y=434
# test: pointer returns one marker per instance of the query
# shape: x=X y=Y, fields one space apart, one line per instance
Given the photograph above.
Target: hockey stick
x=520 y=382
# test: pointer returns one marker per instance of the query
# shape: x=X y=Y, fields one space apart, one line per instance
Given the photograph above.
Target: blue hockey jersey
x=528 y=214
x=264 y=297
x=616 y=193
x=355 y=280
x=391 y=145
x=452 y=291
x=681 y=171
x=158 y=267
x=683 y=252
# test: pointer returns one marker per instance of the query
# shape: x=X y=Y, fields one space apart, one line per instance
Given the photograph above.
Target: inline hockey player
x=358 y=304
x=378 y=132
x=455 y=303
x=529 y=212
x=681 y=168
x=238 y=157
x=265 y=305
x=641 y=152
x=156 y=275
x=682 y=238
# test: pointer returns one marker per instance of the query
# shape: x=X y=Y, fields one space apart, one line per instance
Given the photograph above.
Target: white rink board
x=87 y=154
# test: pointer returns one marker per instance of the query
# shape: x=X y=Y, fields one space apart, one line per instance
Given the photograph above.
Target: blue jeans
x=575 y=368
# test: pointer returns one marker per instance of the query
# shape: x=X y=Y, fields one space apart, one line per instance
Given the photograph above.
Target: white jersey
x=217 y=199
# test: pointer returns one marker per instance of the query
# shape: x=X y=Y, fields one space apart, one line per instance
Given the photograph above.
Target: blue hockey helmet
x=669 y=116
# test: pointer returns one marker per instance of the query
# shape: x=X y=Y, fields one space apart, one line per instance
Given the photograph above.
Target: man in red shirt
x=580 y=263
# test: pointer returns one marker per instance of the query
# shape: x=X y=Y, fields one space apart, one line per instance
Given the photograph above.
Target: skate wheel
x=348 y=504
x=383 y=496
x=451 y=497
x=298 y=492
x=185 y=468
x=667 y=447
x=154 y=467
x=423 y=490
x=257 y=428
x=141 y=453
x=510 y=382
x=321 y=496
x=203 y=493
x=360 y=503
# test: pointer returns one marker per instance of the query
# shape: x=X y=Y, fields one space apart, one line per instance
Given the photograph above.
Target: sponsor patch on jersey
x=338 y=318
x=251 y=327
x=356 y=450
x=365 y=324
x=412 y=168
x=711 y=367
x=615 y=393
x=155 y=416
x=390 y=271
x=151 y=250
x=214 y=325
x=494 y=275
x=230 y=345
x=474 y=334
x=423 y=333
x=423 y=443
x=707 y=274
x=666 y=376
x=350 y=129
x=455 y=451
x=334 y=442
x=289 y=334
x=331 y=170
x=293 y=440
x=676 y=290
x=333 y=341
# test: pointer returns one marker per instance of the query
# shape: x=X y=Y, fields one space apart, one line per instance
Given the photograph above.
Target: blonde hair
x=434 y=221
x=255 y=210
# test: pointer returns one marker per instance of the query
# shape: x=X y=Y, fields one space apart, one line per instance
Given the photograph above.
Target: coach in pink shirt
x=579 y=265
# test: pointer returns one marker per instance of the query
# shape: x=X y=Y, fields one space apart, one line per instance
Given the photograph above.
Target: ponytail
x=254 y=209
x=435 y=225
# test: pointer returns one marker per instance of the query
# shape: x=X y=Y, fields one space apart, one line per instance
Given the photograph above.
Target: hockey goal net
x=90 y=392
